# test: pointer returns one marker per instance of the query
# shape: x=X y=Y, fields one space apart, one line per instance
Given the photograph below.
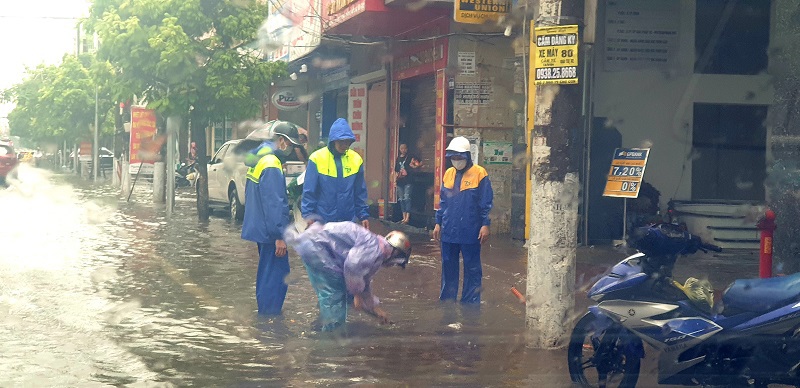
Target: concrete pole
x=96 y=143
x=116 y=179
x=554 y=195
x=126 y=178
x=173 y=126
x=159 y=182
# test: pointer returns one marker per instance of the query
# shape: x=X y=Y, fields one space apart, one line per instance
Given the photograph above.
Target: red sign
x=421 y=59
x=441 y=136
x=143 y=132
x=85 y=151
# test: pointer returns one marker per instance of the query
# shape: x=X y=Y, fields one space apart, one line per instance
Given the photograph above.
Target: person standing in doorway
x=335 y=189
x=266 y=217
x=404 y=167
x=462 y=222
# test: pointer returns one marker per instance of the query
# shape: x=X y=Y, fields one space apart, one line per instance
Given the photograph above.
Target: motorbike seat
x=759 y=295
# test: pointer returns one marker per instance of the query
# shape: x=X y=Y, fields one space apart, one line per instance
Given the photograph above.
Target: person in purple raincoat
x=343 y=257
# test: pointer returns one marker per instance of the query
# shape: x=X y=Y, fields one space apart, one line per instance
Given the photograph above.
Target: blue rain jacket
x=466 y=200
x=334 y=189
x=266 y=207
x=346 y=250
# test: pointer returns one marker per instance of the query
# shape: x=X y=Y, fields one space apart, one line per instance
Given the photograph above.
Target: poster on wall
x=466 y=63
x=497 y=152
x=473 y=93
x=143 y=132
x=357 y=117
x=474 y=147
x=641 y=34
x=555 y=55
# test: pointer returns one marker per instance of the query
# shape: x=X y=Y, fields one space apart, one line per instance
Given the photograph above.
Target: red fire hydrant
x=767 y=227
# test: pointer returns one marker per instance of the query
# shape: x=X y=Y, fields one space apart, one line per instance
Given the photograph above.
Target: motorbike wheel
x=236 y=208
x=600 y=359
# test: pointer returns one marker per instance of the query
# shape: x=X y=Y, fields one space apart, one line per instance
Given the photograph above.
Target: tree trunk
x=198 y=134
x=554 y=196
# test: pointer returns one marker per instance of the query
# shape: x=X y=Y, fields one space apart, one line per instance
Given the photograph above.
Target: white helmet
x=459 y=144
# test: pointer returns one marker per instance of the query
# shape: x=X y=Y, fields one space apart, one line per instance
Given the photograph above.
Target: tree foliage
x=186 y=53
x=57 y=102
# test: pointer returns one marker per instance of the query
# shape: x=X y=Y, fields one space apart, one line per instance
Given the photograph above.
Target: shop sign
x=473 y=93
x=85 y=151
x=555 y=55
x=335 y=78
x=357 y=116
x=286 y=100
x=340 y=11
x=419 y=58
x=295 y=27
x=497 y=152
x=143 y=131
x=480 y=11
x=641 y=34
x=627 y=170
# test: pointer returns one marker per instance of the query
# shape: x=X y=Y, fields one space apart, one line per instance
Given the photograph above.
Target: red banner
x=143 y=132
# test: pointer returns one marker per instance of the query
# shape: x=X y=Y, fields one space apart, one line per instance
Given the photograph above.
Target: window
x=730 y=146
x=731 y=36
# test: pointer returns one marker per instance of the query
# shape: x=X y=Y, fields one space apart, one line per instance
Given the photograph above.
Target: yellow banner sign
x=627 y=171
x=554 y=52
x=480 y=11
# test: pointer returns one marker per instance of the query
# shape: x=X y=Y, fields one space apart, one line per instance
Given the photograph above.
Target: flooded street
x=98 y=291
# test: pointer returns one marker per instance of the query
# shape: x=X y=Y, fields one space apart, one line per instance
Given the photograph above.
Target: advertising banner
x=143 y=132
x=357 y=117
x=627 y=171
x=294 y=28
x=554 y=52
x=480 y=11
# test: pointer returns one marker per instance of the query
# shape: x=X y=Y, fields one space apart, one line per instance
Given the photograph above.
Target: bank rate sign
x=555 y=55
x=627 y=170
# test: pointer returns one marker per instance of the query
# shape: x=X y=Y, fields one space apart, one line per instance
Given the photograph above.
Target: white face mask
x=459 y=164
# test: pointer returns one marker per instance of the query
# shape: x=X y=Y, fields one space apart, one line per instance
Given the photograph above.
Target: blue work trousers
x=471 y=293
x=331 y=295
x=271 y=279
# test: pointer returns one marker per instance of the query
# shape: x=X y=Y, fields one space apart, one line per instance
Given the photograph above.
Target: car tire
x=236 y=208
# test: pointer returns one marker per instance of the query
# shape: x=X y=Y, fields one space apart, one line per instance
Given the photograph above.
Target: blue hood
x=252 y=157
x=340 y=130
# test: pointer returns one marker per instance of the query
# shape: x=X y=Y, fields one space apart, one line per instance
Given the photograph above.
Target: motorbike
x=185 y=175
x=751 y=339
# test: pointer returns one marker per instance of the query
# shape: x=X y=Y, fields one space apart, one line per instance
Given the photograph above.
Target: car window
x=220 y=154
x=5 y=150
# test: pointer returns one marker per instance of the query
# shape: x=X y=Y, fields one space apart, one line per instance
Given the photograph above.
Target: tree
x=187 y=56
x=56 y=103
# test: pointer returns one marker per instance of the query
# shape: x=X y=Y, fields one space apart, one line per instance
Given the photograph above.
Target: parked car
x=226 y=179
x=8 y=161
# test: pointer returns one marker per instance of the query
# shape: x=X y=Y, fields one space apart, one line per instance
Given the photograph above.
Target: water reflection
x=123 y=295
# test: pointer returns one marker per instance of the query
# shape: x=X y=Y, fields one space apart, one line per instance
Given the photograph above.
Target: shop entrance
x=417 y=129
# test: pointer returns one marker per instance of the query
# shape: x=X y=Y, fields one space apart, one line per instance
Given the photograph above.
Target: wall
x=491 y=119
x=654 y=108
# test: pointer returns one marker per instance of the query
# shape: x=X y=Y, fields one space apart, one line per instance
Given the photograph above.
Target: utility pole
x=173 y=126
x=554 y=118
x=96 y=145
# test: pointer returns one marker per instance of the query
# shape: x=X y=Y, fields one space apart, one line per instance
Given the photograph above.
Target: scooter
x=184 y=175
x=752 y=339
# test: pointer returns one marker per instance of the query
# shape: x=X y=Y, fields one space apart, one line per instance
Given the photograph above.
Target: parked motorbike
x=752 y=339
x=185 y=175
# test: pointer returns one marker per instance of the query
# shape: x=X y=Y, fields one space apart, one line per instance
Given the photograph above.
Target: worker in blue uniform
x=266 y=217
x=335 y=189
x=462 y=222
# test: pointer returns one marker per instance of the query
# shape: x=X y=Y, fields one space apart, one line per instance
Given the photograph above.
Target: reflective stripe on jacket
x=266 y=207
x=466 y=200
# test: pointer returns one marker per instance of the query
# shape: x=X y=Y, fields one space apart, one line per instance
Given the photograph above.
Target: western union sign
x=555 y=55
x=480 y=11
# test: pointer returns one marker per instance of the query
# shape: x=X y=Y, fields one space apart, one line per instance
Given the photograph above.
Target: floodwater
x=97 y=291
